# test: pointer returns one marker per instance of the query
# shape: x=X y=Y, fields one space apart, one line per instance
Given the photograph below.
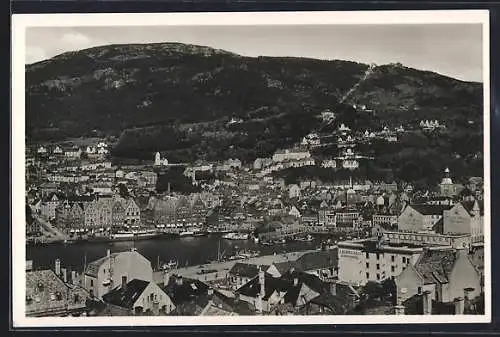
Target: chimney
x=210 y=292
x=467 y=292
x=178 y=280
x=168 y=188
x=58 y=267
x=333 y=288
x=156 y=308
x=73 y=277
x=459 y=306
x=295 y=281
x=124 y=283
x=65 y=275
x=108 y=253
x=166 y=277
x=262 y=280
x=427 y=303
x=236 y=297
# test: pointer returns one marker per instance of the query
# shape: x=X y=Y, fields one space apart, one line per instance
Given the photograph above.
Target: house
x=466 y=217
x=323 y=264
x=103 y=275
x=420 y=217
x=33 y=227
x=241 y=273
x=446 y=273
x=329 y=163
x=267 y=293
x=73 y=152
x=195 y=298
x=70 y=215
x=293 y=154
x=294 y=212
x=49 y=204
x=139 y=296
x=41 y=150
x=294 y=191
x=48 y=295
x=58 y=151
x=131 y=211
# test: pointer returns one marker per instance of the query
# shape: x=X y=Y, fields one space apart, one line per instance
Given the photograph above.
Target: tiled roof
x=125 y=297
x=50 y=295
x=436 y=265
x=426 y=209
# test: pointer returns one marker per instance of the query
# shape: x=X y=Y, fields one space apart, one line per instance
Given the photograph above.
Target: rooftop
x=125 y=297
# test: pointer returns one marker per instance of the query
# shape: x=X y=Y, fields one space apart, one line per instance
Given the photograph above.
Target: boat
x=132 y=235
x=170 y=265
x=184 y=234
x=308 y=238
x=235 y=236
x=199 y=232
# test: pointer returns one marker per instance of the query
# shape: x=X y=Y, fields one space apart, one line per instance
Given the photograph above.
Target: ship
x=199 y=232
x=236 y=236
x=308 y=238
x=186 y=233
x=134 y=235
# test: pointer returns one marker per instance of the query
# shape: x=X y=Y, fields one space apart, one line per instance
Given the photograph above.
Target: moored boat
x=236 y=236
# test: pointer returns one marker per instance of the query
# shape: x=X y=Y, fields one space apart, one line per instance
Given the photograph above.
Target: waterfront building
x=132 y=212
x=445 y=273
x=364 y=260
x=136 y=297
x=70 y=215
x=117 y=214
x=105 y=274
x=384 y=220
x=91 y=214
x=49 y=204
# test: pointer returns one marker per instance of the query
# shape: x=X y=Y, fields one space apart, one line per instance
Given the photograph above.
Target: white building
x=105 y=274
x=284 y=155
x=364 y=260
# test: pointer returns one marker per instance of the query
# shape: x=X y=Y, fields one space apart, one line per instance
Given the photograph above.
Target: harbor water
x=187 y=251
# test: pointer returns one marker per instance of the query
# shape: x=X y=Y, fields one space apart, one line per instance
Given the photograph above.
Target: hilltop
x=178 y=99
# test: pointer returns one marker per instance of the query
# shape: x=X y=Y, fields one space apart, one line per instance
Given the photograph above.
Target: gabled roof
x=436 y=265
x=469 y=206
x=93 y=267
x=125 y=297
x=426 y=209
x=246 y=270
x=184 y=292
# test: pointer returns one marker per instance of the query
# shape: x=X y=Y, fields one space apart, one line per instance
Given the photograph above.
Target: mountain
x=179 y=98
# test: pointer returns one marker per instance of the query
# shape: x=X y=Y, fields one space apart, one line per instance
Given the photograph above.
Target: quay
x=219 y=270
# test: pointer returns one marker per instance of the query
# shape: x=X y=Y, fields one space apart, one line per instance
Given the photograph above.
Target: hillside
x=178 y=99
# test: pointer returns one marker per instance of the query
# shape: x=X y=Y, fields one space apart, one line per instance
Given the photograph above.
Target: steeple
x=446 y=178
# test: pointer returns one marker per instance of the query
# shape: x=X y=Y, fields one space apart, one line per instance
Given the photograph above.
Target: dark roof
x=414 y=306
x=246 y=270
x=469 y=205
x=284 y=284
x=184 y=291
x=317 y=260
x=426 y=209
x=285 y=266
x=125 y=297
x=438 y=226
x=436 y=265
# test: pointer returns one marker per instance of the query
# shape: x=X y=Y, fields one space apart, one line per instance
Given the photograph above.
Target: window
x=393 y=269
x=378 y=276
x=367 y=265
x=367 y=275
x=404 y=259
x=104 y=270
x=91 y=283
x=392 y=258
x=378 y=266
x=378 y=256
x=419 y=290
x=367 y=255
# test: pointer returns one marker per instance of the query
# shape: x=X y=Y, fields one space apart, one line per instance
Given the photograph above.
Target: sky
x=453 y=50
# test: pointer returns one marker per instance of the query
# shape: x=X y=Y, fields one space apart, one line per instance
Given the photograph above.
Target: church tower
x=447 y=187
x=157 y=159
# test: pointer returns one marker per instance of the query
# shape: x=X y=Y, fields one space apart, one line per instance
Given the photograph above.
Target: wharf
x=220 y=269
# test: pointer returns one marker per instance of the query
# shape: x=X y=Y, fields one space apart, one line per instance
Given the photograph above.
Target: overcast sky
x=450 y=49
